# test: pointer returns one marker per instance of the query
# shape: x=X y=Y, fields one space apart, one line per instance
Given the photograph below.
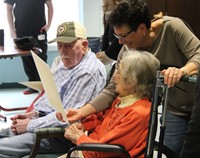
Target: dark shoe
x=29 y=91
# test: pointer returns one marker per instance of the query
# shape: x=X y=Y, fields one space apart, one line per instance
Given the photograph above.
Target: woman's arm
x=10 y=19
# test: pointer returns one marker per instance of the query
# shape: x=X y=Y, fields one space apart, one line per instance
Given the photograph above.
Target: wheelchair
x=160 y=96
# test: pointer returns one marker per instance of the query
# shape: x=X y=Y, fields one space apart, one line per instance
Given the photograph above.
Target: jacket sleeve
x=94 y=120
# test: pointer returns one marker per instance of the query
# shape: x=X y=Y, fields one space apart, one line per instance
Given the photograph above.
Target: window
x=3 y=17
x=64 y=10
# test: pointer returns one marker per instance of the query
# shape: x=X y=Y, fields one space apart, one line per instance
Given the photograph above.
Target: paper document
x=49 y=85
x=37 y=85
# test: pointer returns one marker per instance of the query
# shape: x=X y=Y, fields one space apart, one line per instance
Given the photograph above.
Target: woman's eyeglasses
x=124 y=36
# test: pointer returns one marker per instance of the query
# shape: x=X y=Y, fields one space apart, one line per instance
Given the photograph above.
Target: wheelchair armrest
x=99 y=148
x=42 y=133
x=50 y=132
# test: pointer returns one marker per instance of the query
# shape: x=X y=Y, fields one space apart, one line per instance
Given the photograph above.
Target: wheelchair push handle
x=184 y=78
x=187 y=78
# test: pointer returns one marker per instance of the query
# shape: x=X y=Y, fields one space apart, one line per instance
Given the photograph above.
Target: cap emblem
x=62 y=29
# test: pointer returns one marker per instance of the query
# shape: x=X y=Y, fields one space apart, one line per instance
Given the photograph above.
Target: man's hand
x=19 y=126
x=19 y=116
x=32 y=114
x=59 y=116
x=74 y=131
x=29 y=115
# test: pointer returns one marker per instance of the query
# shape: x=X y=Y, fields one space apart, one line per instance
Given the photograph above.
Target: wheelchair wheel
x=166 y=151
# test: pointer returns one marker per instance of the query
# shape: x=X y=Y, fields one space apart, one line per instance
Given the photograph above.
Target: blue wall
x=11 y=70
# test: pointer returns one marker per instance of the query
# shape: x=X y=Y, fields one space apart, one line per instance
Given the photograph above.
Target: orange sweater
x=125 y=126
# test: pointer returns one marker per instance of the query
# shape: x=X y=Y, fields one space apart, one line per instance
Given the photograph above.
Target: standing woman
x=110 y=46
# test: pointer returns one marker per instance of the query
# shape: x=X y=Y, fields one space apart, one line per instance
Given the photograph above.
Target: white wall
x=92 y=19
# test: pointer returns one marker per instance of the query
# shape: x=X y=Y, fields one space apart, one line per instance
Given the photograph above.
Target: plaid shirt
x=76 y=87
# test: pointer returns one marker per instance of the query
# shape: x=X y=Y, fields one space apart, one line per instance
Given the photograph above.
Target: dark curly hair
x=131 y=13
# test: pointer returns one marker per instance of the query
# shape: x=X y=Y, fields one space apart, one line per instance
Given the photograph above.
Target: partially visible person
x=128 y=117
x=27 y=18
x=192 y=139
x=79 y=77
x=110 y=46
x=177 y=49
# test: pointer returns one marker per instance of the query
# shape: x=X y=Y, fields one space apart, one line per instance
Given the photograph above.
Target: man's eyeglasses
x=124 y=36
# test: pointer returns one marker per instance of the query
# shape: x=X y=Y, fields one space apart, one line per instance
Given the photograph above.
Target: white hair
x=139 y=69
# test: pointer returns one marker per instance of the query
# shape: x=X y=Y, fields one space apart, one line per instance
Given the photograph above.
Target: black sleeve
x=113 y=50
x=110 y=43
x=192 y=139
x=105 y=39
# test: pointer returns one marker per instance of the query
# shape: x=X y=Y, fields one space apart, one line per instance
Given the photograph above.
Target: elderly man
x=79 y=76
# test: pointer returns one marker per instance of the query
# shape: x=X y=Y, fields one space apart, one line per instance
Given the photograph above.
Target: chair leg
x=12 y=109
x=3 y=117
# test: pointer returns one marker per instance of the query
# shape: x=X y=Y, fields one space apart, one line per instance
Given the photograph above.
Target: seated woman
x=126 y=121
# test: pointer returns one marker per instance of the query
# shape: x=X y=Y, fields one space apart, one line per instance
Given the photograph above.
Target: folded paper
x=49 y=85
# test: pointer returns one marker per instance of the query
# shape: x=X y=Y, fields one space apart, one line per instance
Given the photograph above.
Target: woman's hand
x=74 y=131
x=72 y=115
x=172 y=76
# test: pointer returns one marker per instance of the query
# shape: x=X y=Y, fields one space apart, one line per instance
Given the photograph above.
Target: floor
x=10 y=98
x=14 y=97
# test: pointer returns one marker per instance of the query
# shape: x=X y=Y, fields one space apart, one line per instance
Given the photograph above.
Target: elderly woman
x=126 y=121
